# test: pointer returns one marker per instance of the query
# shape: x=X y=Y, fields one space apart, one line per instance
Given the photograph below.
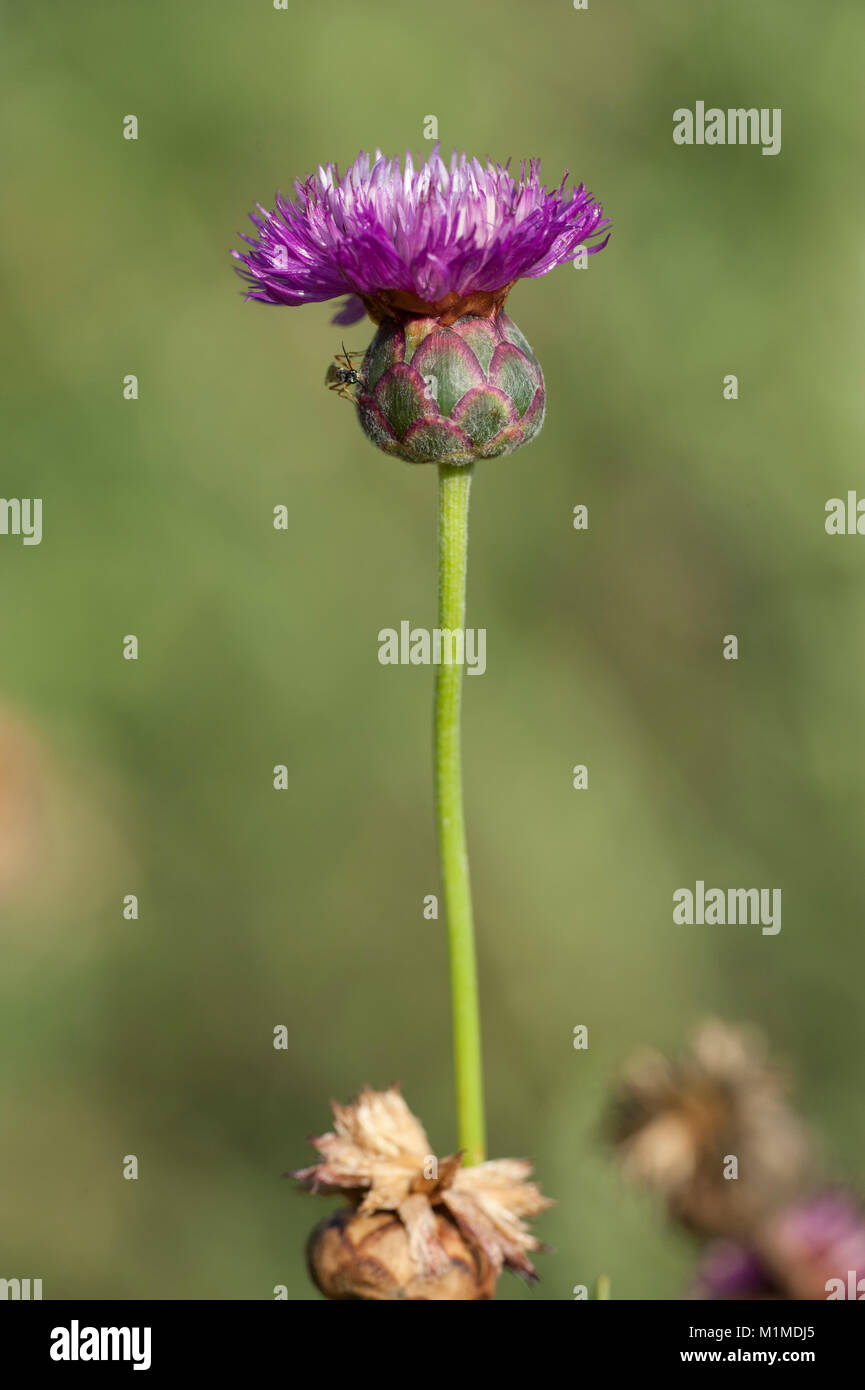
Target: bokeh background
x=304 y=907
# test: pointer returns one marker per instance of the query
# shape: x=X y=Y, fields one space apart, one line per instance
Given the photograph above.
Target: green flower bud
x=431 y=394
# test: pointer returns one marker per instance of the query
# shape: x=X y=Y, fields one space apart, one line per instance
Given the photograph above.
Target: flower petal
x=352 y=311
x=459 y=229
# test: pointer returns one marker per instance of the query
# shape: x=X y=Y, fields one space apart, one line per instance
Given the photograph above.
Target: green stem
x=454 y=485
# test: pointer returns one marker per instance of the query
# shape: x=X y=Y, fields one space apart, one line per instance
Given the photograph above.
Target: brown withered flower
x=417 y=1227
x=679 y=1123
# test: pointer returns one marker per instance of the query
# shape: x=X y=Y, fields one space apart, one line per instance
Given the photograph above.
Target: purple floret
x=830 y=1228
x=423 y=236
x=797 y=1252
x=730 y=1271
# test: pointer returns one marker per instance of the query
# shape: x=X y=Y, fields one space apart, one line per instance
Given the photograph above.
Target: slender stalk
x=454 y=486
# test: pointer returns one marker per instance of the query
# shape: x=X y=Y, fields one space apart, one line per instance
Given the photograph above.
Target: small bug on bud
x=340 y=375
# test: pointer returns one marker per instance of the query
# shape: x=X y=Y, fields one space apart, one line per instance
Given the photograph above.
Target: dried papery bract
x=418 y=1226
x=354 y=1256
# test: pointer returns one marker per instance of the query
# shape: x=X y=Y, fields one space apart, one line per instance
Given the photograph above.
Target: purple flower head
x=441 y=240
x=824 y=1238
x=730 y=1271
x=803 y=1251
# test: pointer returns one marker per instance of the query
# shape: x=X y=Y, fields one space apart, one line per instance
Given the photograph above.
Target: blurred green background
x=258 y=647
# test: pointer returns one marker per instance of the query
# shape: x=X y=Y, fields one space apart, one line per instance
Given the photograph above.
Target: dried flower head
x=355 y=1256
x=378 y=1155
x=442 y=240
x=678 y=1124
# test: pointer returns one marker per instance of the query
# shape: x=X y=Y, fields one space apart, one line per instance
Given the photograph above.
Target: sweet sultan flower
x=440 y=240
x=428 y=253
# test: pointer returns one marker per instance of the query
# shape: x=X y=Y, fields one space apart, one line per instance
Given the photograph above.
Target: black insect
x=341 y=374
